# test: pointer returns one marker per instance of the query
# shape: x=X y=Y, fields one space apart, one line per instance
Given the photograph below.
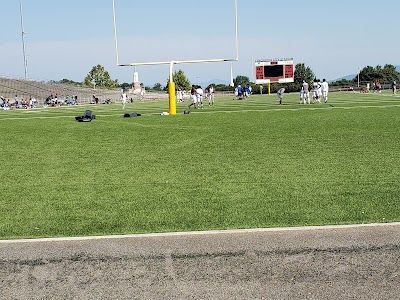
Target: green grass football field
x=240 y=164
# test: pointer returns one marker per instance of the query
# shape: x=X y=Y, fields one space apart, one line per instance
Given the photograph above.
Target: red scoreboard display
x=274 y=71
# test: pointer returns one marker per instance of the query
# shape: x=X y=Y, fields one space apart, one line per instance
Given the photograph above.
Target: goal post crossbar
x=177 y=61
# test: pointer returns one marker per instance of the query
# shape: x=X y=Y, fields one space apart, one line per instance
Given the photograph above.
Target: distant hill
x=348 y=77
x=213 y=81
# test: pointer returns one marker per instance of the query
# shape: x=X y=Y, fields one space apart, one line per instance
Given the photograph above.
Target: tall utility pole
x=23 y=40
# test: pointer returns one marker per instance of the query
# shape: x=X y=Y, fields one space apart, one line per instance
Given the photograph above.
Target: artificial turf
x=240 y=164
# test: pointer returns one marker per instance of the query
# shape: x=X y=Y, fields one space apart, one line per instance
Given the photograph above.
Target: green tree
x=389 y=73
x=301 y=72
x=125 y=85
x=157 y=87
x=385 y=75
x=367 y=74
x=181 y=81
x=67 y=81
x=241 y=80
x=101 y=78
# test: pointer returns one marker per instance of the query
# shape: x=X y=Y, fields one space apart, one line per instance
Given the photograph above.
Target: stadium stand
x=9 y=87
x=41 y=90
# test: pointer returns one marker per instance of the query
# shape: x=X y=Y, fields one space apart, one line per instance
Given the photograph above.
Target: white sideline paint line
x=33 y=118
x=53 y=117
x=194 y=233
x=299 y=109
x=226 y=111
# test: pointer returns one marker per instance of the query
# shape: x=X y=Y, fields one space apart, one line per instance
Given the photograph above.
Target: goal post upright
x=171 y=91
x=115 y=33
x=171 y=84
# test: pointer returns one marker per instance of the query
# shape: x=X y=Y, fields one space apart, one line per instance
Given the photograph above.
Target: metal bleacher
x=9 y=87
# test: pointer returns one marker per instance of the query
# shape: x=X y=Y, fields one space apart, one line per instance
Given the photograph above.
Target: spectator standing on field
x=394 y=87
x=211 y=95
x=377 y=87
x=324 y=89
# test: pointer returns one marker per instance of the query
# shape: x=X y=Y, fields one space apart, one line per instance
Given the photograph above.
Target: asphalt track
x=342 y=262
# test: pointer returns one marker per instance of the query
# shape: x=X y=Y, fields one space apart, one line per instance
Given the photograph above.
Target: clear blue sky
x=65 y=39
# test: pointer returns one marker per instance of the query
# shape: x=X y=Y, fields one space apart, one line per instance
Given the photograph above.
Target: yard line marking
x=207 y=232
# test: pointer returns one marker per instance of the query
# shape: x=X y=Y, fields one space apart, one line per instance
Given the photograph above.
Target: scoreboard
x=274 y=71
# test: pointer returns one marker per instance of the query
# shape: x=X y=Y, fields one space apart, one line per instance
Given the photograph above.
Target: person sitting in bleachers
x=48 y=100
x=32 y=102
x=24 y=104
x=74 y=100
x=55 y=101
x=5 y=104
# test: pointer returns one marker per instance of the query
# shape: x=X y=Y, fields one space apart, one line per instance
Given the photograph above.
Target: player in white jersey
x=319 y=91
x=324 y=89
x=123 y=96
x=316 y=91
x=302 y=95
x=199 y=96
x=314 y=88
x=193 y=97
x=306 y=92
x=179 y=95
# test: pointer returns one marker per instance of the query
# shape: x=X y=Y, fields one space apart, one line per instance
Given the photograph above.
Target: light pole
x=358 y=78
x=23 y=40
